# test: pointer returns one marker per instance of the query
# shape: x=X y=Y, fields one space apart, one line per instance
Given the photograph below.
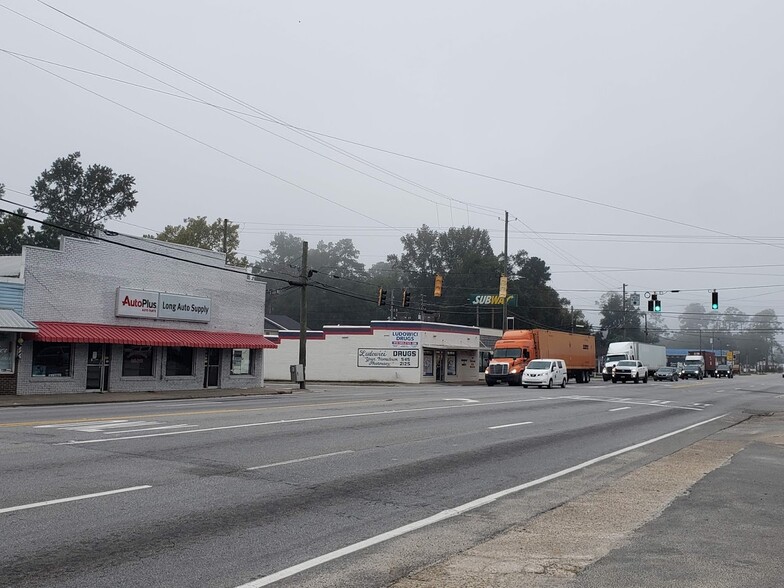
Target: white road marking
x=311 y=419
x=280 y=463
x=71 y=499
x=452 y=512
x=511 y=425
x=148 y=429
x=463 y=399
x=620 y=408
x=616 y=401
x=98 y=426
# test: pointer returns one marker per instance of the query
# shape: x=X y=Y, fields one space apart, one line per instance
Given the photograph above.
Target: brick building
x=131 y=315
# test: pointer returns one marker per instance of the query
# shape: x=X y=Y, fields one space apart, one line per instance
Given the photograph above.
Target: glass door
x=211 y=367
x=99 y=358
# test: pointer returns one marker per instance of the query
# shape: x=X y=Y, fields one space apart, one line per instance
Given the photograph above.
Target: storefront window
x=241 y=361
x=179 y=361
x=427 y=363
x=51 y=359
x=137 y=361
x=7 y=352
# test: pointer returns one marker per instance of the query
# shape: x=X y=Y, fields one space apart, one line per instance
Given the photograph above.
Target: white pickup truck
x=630 y=369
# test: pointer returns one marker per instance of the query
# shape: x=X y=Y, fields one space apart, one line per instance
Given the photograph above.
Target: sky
x=631 y=142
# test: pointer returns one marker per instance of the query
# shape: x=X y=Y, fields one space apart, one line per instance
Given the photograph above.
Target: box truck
x=515 y=349
x=653 y=356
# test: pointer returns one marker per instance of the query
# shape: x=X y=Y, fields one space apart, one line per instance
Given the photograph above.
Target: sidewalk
x=710 y=515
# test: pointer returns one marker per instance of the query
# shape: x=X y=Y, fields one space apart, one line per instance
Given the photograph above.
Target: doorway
x=99 y=359
x=211 y=367
x=440 y=365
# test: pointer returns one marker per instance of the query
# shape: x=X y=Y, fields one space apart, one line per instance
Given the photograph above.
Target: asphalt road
x=338 y=485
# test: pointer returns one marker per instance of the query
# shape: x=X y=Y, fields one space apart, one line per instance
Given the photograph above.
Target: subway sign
x=492 y=299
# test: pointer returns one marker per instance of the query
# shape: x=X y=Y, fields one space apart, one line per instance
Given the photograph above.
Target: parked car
x=545 y=372
x=630 y=369
x=724 y=370
x=666 y=373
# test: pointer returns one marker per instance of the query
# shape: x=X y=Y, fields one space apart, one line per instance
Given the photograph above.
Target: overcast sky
x=631 y=142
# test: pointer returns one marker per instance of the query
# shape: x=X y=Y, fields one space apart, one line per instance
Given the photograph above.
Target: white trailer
x=653 y=356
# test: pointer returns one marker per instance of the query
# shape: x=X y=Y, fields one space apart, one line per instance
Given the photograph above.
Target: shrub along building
x=133 y=315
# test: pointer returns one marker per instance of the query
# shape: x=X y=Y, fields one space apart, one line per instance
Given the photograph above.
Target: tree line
x=79 y=201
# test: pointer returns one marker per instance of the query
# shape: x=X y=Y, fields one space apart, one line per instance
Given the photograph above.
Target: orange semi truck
x=515 y=349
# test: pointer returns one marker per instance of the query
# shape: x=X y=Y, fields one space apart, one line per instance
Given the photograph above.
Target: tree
x=197 y=232
x=540 y=306
x=339 y=291
x=622 y=325
x=464 y=257
x=13 y=234
x=80 y=200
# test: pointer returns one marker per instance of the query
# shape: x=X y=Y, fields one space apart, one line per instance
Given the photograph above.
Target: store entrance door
x=99 y=358
x=440 y=365
x=211 y=368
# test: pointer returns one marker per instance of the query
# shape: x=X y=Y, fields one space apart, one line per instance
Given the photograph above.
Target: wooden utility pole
x=303 y=311
x=506 y=265
x=225 y=240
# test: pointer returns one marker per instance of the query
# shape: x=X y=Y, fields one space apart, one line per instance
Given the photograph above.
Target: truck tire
x=490 y=382
x=636 y=378
x=605 y=378
x=615 y=380
x=645 y=379
x=525 y=385
x=587 y=377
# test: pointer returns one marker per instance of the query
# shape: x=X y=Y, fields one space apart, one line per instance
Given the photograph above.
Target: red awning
x=122 y=335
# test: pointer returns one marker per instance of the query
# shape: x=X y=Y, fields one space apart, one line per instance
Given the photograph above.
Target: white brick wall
x=78 y=284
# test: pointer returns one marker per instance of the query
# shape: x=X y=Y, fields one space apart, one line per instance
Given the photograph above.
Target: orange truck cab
x=515 y=349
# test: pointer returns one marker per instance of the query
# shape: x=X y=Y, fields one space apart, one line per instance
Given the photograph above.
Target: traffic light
x=382 y=297
x=502 y=286
x=650 y=306
x=439 y=283
x=715 y=300
x=406 y=297
x=657 y=306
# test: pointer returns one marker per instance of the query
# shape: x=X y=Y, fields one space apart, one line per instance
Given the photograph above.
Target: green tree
x=464 y=257
x=13 y=234
x=197 y=232
x=339 y=291
x=620 y=322
x=80 y=200
x=539 y=304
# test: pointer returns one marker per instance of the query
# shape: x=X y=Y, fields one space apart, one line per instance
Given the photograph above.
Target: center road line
x=301 y=459
x=312 y=419
x=453 y=512
x=71 y=499
x=619 y=408
x=511 y=425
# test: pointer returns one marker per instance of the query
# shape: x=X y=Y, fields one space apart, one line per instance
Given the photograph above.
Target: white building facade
x=410 y=352
x=138 y=315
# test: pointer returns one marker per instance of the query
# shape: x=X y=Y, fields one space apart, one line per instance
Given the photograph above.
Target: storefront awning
x=10 y=321
x=123 y=335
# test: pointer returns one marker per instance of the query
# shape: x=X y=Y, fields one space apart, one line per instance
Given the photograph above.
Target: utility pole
x=225 y=240
x=624 y=311
x=303 y=311
x=506 y=264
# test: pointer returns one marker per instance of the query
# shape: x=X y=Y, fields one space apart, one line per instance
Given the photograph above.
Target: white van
x=545 y=372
